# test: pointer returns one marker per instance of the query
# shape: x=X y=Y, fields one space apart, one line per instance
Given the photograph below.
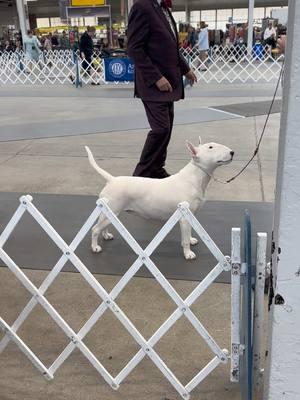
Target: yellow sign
x=88 y=3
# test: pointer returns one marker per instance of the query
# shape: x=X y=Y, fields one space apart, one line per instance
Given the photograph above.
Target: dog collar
x=207 y=173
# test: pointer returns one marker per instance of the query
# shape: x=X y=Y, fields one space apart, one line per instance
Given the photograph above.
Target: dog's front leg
x=186 y=231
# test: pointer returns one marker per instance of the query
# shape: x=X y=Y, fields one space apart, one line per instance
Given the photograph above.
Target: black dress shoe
x=161 y=174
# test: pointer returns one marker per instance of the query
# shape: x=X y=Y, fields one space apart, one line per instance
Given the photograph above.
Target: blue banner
x=119 y=70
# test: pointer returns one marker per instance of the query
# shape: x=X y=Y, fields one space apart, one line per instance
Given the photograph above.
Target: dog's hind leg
x=102 y=223
x=107 y=235
x=186 y=229
x=193 y=241
x=101 y=226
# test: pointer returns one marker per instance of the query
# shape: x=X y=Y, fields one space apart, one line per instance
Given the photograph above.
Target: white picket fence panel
x=234 y=64
x=223 y=64
x=224 y=263
x=108 y=299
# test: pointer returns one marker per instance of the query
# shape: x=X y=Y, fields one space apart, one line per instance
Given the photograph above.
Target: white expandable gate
x=223 y=64
x=235 y=64
x=108 y=299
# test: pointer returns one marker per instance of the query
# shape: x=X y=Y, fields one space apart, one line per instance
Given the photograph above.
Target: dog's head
x=210 y=155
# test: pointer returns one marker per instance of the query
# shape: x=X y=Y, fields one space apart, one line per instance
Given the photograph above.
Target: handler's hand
x=191 y=77
x=164 y=85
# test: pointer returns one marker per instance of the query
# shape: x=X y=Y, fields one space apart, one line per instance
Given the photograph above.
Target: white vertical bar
x=284 y=345
x=250 y=26
x=187 y=11
x=235 y=303
x=22 y=17
x=259 y=306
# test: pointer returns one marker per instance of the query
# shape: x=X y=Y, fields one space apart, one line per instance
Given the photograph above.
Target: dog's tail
x=108 y=177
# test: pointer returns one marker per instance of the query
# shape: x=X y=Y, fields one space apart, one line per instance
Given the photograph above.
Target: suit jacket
x=155 y=51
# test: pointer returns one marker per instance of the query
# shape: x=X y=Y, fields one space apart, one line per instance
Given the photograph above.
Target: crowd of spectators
x=194 y=38
x=200 y=39
x=47 y=42
x=61 y=41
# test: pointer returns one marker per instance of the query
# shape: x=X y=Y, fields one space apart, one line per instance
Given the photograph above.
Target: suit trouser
x=160 y=117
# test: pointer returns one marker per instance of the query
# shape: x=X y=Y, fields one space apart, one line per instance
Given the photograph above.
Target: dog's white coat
x=159 y=198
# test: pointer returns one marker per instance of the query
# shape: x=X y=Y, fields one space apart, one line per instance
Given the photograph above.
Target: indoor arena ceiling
x=49 y=8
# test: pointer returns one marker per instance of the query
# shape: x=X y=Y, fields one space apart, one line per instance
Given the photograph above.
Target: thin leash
x=259 y=142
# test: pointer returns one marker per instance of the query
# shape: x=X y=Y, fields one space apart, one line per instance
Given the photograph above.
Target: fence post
x=258 y=317
x=78 y=81
x=235 y=303
x=20 y=64
x=246 y=314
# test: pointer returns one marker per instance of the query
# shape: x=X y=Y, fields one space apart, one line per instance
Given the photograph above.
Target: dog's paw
x=96 y=249
x=189 y=255
x=107 y=236
x=193 y=241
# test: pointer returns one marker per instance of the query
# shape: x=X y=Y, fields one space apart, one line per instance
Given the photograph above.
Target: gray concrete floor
x=59 y=165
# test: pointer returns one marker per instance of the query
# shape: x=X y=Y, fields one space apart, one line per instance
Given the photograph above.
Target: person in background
x=18 y=48
x=159 y=68
x=191 y=37
x=64 y=41
x=19 y=38
x=48 y=43
x=54 y=40
x=203 y=45
x=86 y=48
x=121 y=40
x=125 y=39
x=239 y=45
x=31 y=47
x=221 y=37
x=197 y=31
x=19 y=53
x=270 y=35
x=8 y=46
x=281 y=45
x=100 y=44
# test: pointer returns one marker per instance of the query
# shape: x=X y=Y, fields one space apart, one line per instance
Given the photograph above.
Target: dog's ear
x=192 y=149
x=200 y=140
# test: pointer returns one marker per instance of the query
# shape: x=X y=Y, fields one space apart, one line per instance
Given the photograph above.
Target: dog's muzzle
x=227 y=161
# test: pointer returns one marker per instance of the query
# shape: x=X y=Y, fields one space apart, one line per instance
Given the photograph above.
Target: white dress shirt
x=167 y=15
x=269 y=32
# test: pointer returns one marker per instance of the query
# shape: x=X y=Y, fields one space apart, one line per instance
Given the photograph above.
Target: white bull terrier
x=159 y=198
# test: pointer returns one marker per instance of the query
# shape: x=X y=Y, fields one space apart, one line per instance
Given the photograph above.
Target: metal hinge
x=236 y=269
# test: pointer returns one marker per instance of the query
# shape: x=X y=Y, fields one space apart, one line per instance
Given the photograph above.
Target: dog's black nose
x=232 y=153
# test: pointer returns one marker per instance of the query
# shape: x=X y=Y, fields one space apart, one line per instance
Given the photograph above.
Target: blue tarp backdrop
x=119 y=69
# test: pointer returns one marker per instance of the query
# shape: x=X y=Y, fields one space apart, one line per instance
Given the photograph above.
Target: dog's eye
x=210 y=147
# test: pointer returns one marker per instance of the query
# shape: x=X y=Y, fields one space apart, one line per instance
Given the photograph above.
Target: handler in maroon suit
x=159 y=67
